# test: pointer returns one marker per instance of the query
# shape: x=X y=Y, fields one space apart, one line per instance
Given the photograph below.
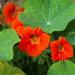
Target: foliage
x=7 y=41
x=62 y=68
x=37 y=36
x=50 y=15
x=7 y=69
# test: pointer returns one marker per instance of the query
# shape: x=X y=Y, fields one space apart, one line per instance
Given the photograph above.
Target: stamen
x=34 y=40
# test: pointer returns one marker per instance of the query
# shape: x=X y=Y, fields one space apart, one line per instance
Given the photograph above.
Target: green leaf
x=62 y=68
x=50 y=15
x=71 y=38
x=71 y=32
x=8 y=38
x=7 y=69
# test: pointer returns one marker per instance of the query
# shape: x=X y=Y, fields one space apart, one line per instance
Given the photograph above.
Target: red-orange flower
x=10 y=12
x=61 y=49
x=18 y=26
x=34 y=42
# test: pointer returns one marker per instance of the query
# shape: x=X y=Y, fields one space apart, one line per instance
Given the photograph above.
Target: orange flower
x=10 y=12
x=18 y=26
x=34 y=42
x=61 y=49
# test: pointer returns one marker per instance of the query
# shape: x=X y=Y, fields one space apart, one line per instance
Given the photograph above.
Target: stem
x=47 y=61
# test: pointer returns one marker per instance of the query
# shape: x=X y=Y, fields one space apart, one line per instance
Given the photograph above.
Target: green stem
x=47 y=61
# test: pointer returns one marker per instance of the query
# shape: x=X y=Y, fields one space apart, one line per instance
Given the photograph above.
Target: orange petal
x=44 y=41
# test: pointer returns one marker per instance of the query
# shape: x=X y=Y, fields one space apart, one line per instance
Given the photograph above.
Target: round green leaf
x=8 y=38
x=62 y=68
x=50 y=15
x=7 y=69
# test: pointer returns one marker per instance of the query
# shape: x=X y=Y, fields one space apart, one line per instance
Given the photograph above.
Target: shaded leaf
x=71 y=32
x=7 y=69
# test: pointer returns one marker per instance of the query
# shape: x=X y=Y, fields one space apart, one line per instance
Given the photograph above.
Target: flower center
x=60 y=48
x=34 y=39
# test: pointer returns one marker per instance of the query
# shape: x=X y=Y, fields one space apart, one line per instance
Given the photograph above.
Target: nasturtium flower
x=61 y=49
x=18 y=26
x=34 y=42
x=10 y=12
